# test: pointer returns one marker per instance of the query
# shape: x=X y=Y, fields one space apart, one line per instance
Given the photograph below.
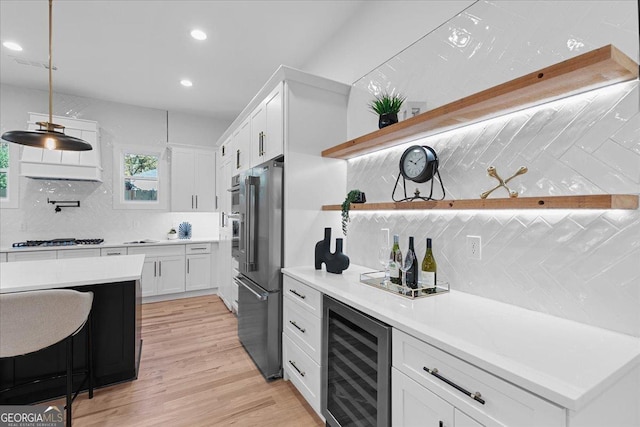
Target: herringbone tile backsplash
x=576 y=264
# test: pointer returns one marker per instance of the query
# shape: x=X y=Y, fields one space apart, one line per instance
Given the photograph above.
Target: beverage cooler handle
x=250 y=237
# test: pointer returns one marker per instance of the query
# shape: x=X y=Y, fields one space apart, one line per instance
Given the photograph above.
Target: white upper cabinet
x=241 y=147
x=193 y=183
x=267 y=136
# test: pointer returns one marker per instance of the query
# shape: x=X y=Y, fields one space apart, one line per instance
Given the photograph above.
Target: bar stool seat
x=35 y=320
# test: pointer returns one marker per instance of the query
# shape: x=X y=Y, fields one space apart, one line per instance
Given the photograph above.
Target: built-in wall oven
x=356 y=367
x=234 y=216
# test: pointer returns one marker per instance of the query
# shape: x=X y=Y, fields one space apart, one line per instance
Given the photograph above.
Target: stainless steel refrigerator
x=260 y=278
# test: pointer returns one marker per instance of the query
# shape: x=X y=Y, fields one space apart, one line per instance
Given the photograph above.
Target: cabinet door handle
x=293 y=291
x=441 y=424
x=303 y=330
x=238 y=159
x=188 y=265
x=155 y=268
x=196 y=201
x=216 y=202
x=192 y=201
x=261 y=144
x=296 y=368
x=475 y=396
x=160 y=268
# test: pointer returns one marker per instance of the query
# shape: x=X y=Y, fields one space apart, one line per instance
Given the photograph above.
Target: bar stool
x=35 y=320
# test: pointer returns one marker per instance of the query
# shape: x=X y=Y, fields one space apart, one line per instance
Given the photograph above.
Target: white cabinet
x=78 y=253
x=302 y=339
x=498 y=402
x=164 y=269
x=3 y=257
x=224 y=260
x=198 y=266
x=192 y=179
x=242 y=147
x=113 y=251
x=31 y=256
x=267 y=128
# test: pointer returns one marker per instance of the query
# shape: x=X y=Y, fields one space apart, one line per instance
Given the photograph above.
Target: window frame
x=119 y=202
x=12 y=201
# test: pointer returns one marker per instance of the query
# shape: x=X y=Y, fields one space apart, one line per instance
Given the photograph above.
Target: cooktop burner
x=58 y=242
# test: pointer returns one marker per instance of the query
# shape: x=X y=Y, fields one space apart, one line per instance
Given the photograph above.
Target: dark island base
x=116 y=316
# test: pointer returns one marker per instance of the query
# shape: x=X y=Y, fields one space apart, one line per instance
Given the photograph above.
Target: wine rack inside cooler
x=356 y=367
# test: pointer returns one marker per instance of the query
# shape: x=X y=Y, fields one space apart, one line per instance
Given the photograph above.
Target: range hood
x=41 y=163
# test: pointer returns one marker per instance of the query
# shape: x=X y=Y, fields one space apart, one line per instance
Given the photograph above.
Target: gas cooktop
x=58 y=242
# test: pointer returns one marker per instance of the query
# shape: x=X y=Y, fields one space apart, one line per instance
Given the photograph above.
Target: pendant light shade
x=47 y=136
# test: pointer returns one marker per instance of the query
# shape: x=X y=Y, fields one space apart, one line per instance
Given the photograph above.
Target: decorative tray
x=377 y=280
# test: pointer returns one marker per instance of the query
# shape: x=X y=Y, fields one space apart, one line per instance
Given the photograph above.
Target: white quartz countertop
x=64 y=273
x=111 y=244
x=565 y=362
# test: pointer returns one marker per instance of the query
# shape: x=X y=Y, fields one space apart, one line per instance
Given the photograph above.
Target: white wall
x=576 y=264
x=118 y=124
x=379 y=30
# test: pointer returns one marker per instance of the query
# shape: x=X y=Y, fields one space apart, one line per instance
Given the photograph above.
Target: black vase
x=335 y=262
x=387 y=119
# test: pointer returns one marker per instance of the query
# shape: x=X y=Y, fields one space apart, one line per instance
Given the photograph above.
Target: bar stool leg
x=69 y=377
x=90 y=354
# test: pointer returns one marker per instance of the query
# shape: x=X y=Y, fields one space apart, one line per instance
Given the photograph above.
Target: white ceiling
x=137 y=51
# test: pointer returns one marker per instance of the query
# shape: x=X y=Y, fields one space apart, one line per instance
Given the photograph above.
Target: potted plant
x=172 y=234
x=353 y=196
x=387 y=107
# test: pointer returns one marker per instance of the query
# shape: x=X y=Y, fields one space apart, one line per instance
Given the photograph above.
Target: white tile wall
x=119 y=124
x=580 y=265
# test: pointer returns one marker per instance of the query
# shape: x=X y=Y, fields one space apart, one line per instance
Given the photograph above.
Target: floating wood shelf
x=595 y=201
x=595 y=69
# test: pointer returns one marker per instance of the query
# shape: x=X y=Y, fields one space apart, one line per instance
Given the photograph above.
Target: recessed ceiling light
x=198 y=35
x=12 y=46
x=186 y=83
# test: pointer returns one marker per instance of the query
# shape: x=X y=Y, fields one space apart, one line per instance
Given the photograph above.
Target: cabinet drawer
x=198 y=248
x=504 y=403
x=303 y=372
x=168 y=250
x=113 y=251
x=31 y=256
x=78 y=253
x=303 y=328
x=306 y=296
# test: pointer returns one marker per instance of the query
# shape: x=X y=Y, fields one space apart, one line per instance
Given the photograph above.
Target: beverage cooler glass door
x=356 y=367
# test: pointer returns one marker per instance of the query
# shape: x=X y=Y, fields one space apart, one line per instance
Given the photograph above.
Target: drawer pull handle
x=297 y=327
x=293 y=291
x=475 y=396
x=296 y=368
x=198 y=249
x=114 y=253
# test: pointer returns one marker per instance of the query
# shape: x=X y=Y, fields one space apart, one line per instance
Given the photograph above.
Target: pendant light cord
x=50 y=72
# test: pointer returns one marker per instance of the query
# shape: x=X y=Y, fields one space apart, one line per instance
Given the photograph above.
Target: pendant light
x=50 y=135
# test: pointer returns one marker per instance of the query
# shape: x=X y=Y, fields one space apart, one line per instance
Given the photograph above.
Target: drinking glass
x=384 y=253
x=408 y=260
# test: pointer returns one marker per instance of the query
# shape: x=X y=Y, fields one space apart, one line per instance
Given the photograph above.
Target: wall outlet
x=474 y=247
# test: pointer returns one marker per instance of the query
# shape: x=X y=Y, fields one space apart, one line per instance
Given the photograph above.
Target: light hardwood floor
x=194 y=372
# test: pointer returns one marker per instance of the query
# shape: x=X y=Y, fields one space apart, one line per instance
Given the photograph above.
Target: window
x=8 y=175
x=139 y=178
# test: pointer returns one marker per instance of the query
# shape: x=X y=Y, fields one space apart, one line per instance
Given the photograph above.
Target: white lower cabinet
x=198 y=266
x=419 y=395
x=31 y=256
x=302 y=339
x=164 y=269
x=78 y=253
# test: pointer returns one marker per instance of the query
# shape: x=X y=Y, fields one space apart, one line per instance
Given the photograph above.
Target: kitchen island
x=116 y=312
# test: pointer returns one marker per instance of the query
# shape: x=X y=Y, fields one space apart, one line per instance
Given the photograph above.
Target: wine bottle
x=395 y=261
x=429 y=268
x=412 y=272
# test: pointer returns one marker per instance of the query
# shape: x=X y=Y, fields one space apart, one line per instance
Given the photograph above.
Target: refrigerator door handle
x=251 y=220
x=260 y=297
